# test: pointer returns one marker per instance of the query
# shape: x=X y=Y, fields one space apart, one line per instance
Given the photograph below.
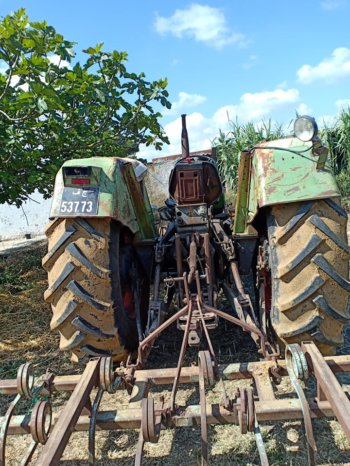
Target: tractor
x=108 y=269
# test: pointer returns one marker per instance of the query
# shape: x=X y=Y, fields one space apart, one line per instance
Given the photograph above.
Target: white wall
x=13 y=221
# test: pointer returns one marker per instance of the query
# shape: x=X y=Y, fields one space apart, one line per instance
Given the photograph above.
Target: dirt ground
x=25 y=336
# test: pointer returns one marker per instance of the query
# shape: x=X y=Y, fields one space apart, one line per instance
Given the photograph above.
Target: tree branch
x=9 y=76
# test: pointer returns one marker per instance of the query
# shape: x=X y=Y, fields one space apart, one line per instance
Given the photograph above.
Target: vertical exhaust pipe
x=185 y=146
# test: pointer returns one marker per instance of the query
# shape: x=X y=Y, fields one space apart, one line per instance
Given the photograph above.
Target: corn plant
x=241 y=137
x=337 y=138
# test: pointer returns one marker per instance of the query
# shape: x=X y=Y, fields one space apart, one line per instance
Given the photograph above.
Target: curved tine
x=202 y=402
x=25 y=380
x=264 y=461
x=92 y=426
x=139 y=450
x=4 y=427
x=41 y=421
x=29 y=453
x=295 y=368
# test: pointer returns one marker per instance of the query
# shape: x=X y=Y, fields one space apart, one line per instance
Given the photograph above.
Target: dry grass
x=25 y=317
x=25 y=336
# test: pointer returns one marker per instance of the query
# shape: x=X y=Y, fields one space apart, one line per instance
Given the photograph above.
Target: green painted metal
x=284 y=176
x=282 y=171
x=121 y=196
x=242 y=199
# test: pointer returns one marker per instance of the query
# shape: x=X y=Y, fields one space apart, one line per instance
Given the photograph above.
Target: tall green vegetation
x=53 y=108
x=241 y=137
x=337 y=138
x=244 y=136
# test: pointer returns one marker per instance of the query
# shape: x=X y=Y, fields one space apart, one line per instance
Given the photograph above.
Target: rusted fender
x=280 y=176
x=121 y=196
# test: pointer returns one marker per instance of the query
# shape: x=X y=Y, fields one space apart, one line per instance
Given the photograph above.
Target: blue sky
x=252 y=60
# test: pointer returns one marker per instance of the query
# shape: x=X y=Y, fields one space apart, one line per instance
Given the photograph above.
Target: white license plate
x=82 y=201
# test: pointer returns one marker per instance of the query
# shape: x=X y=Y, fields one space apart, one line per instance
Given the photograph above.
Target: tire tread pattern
x=309 y=260
x=78 y=266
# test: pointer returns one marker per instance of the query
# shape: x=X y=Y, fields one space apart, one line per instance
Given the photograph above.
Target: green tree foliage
x=52 y=110
x=241 y=137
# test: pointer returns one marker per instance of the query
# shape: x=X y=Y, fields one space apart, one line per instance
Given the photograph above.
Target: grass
x=25 y=317
x=25 y=336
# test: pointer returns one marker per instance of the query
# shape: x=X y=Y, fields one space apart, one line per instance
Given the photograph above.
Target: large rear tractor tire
x=94 y=287
x=309 y=261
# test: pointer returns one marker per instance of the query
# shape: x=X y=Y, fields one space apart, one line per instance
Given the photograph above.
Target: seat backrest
x=189 y=189
x=195 y=182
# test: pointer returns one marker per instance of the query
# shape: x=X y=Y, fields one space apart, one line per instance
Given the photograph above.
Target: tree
x=52 y=110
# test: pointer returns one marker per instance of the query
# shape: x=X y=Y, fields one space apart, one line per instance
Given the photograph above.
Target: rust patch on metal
x=293 y=190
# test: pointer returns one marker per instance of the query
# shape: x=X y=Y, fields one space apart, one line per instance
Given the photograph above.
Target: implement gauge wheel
x=97 y=289
x=309 y=261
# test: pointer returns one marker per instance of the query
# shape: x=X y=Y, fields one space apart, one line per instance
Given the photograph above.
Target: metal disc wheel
x=309 y=260
x=91 y=290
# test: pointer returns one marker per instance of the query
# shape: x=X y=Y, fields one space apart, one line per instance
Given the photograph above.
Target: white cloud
x=253 y=106
x=330 y=5
x=328 y=70
x=14 y=82
x=202 y=130
x=201 y=23
x=304 y=109
x=342 y=104
x=57 y=60
x=186 y=101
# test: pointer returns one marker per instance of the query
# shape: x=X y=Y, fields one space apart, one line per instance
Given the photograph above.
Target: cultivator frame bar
x=247 y=409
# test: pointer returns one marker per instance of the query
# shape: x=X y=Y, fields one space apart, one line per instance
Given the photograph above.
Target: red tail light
x=80 y=181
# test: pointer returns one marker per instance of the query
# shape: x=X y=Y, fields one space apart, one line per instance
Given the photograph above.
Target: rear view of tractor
x=277 y=266
x=288 y=238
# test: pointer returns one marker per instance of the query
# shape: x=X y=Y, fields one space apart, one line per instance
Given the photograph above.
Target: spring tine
x=202 y=402
x=4 y=428
x=92 y=426
x=139 y=450
x=264 y=461
x=25 y=380
x=29 y=453
x=295 y=365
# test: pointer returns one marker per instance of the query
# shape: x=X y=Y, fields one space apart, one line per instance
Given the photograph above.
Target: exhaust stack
x=185 y=146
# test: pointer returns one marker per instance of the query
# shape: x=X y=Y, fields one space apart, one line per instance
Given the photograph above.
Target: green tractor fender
x=104 y=187
x=282 y=171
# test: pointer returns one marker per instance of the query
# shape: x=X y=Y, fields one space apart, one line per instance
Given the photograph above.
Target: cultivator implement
x=150 y=413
